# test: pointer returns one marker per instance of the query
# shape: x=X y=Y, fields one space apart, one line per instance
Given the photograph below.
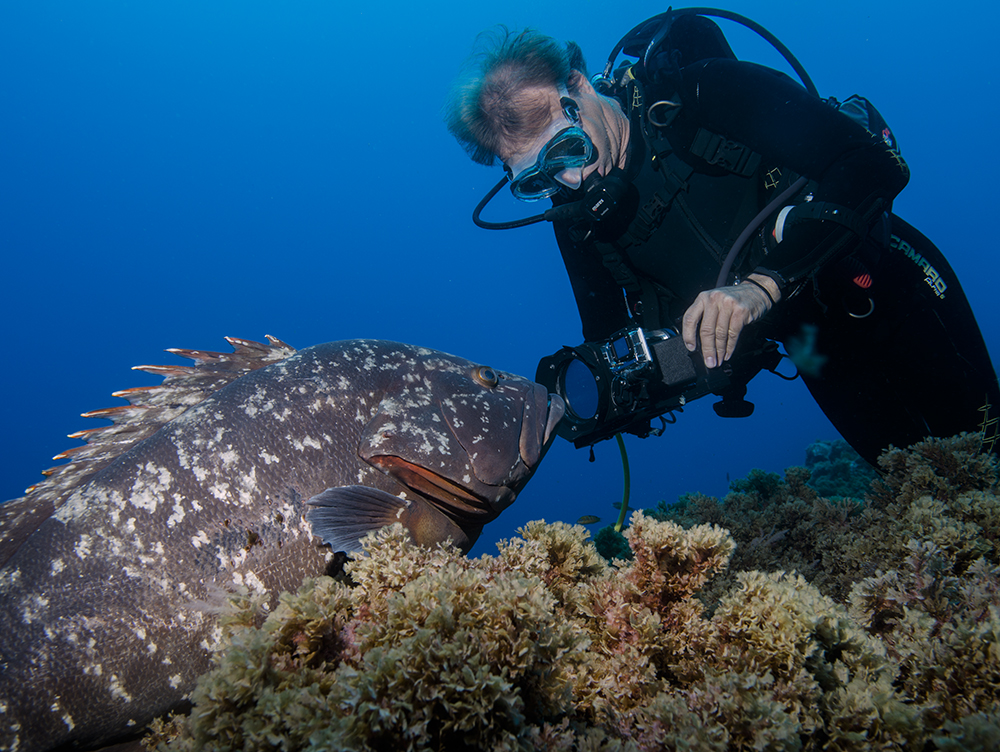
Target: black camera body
x=622 y=383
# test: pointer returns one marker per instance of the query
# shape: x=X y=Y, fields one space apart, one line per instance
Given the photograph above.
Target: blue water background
x=176 y=172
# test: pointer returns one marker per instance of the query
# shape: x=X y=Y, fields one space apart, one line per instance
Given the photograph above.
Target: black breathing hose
x=751 y=228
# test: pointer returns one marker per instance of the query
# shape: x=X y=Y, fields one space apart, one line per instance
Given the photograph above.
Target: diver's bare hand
x=717 y=317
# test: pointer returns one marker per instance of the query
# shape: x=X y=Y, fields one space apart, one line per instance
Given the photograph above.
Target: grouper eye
x=486 y=376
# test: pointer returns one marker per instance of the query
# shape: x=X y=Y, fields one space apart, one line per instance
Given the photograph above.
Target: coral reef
x=546 y=645
x=939 y=490
x=835 y=469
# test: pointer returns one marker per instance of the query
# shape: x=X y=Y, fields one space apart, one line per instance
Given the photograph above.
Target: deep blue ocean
x=175 y=172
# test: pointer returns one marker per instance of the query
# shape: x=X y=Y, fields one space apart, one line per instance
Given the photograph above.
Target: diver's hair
x=485 y=109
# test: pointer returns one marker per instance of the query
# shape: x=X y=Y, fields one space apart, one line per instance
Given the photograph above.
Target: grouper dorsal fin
x=148 y=410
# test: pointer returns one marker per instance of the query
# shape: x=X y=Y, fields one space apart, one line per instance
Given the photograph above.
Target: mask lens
x=533 y=186
x=570 y=148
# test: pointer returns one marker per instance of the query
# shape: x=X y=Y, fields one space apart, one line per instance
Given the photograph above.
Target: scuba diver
x=700 y=194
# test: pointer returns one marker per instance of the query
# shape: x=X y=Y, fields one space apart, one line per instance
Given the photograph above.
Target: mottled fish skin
x=103 y=616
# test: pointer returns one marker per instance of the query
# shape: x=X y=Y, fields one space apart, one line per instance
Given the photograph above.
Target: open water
x=176 y=172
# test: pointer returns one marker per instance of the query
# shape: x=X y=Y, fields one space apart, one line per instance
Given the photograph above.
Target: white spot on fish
x=213 y=640
x=177 y=516
x=66 y=717
x=95 y=669
x=219 y=490
x=254 y=583
x=57 y=566
x=200 y=539
x=82 y=546
x=379 y=438
x=71 y=509
x=229 y=457
x=34 y=609
x=144 y=500
x=269 y=458
x=117 y=690
x=175 y=681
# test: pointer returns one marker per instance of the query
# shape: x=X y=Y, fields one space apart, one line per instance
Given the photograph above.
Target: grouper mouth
x=451 y=497
x=483 y=498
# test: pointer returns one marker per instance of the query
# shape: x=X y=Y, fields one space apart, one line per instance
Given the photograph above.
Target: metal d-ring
x=670 y=112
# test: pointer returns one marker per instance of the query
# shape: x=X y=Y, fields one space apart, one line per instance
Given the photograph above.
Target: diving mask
x=567 y=147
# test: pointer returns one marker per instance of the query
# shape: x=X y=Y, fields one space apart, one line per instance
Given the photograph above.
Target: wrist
x=766 y=285
x=774 y=281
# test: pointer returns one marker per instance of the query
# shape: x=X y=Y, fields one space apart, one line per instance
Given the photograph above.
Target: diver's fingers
x=736 y=324
x=689 y=324
x=709 y=331
x=718 y=317
x=727 y=329
x=747 y=303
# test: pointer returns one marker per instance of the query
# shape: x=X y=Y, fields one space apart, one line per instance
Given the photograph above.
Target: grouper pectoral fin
x=342 y=516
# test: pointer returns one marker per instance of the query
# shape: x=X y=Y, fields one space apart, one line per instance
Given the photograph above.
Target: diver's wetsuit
x=904 y=357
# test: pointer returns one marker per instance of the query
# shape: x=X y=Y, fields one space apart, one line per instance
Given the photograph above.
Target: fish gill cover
x=888 y=639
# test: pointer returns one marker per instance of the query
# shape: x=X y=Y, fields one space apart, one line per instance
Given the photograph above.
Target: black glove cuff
x=780 y=281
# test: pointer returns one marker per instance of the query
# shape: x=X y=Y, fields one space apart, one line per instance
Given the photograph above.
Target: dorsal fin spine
x=151 y=407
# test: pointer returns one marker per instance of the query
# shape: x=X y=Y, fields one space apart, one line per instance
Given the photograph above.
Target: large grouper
x=246 y=470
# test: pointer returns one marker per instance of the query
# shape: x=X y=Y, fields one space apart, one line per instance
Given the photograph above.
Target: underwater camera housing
x=622 y=383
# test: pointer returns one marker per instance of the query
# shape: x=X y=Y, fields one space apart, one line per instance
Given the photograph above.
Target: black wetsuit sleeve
x=775 y=117
x=599 y=299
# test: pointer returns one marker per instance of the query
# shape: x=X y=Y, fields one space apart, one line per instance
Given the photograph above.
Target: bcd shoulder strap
x=644 y=295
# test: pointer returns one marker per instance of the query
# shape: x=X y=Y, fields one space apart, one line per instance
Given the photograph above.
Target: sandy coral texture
x=774 y=619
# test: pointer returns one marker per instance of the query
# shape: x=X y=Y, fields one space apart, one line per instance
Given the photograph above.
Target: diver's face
x=556 y=157
x=593 y=117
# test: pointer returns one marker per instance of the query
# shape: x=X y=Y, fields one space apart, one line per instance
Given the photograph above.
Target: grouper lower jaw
x=455 y=500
